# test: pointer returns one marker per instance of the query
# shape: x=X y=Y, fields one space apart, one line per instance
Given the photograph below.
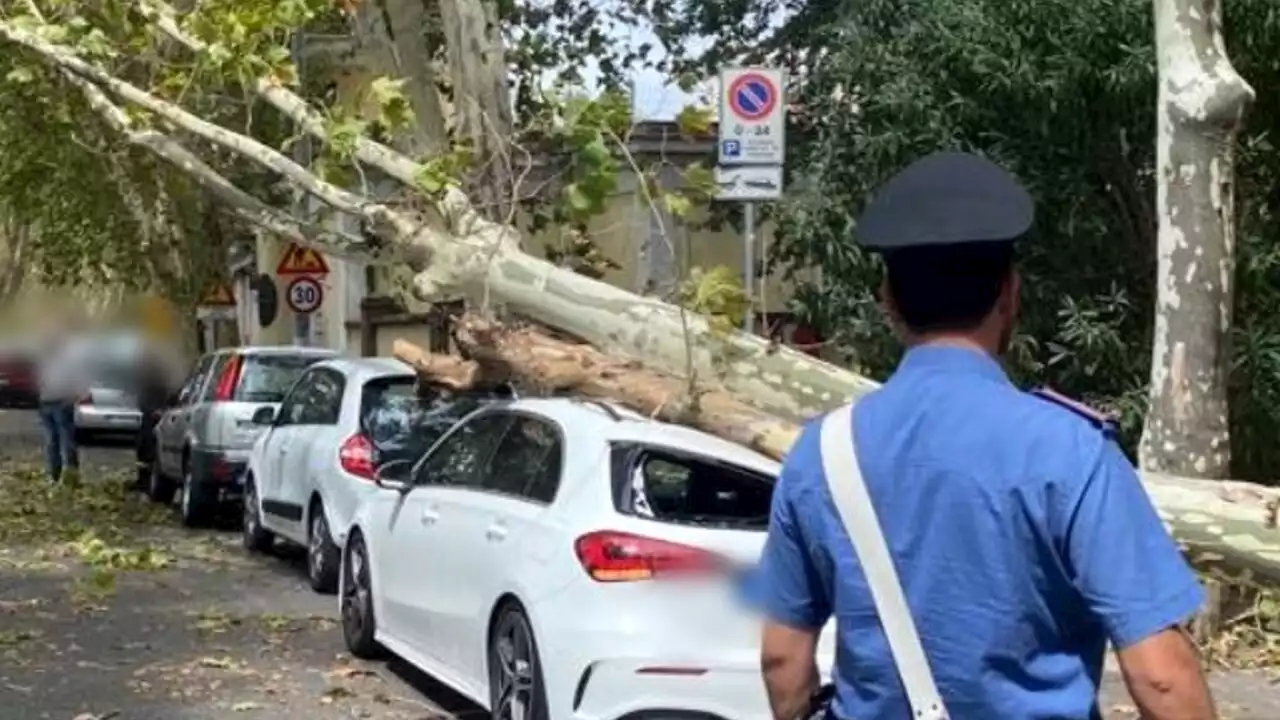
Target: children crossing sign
x=753 y=115
x=299 y=260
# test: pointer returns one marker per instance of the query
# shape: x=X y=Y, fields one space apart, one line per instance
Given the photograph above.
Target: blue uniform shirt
x=1021 y=535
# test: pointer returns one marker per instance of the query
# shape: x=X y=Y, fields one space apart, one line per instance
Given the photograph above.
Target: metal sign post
x=749 y=263
x=752 y=151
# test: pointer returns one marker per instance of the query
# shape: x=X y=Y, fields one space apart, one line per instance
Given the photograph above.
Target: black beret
x=947 y=198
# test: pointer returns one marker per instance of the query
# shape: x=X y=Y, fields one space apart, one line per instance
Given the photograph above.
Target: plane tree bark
x=1201 y=104
x=744 y=387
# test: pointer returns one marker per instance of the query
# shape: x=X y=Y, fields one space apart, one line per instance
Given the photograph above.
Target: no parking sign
x=753 y=115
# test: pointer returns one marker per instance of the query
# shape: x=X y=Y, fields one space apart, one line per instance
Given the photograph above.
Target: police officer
x=1022 y=537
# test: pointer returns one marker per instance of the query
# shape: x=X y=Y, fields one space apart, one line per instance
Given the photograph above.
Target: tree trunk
x=1202 y=101
x=1227 y=521
x=481 y=102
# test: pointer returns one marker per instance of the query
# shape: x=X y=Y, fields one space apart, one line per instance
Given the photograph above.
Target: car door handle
x=430 y=515
x=496 y=531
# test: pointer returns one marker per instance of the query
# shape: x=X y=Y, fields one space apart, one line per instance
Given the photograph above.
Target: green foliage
x=716 y=293
x=1061 y=94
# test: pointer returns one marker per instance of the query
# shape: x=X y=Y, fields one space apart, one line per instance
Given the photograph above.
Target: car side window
x=294 y=404
x=316 y=399
x=324 y=404
x=459 y=459
x=192 y=386
x=527 y=462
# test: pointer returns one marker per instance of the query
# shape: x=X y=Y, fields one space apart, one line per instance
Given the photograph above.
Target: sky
x=656 y=97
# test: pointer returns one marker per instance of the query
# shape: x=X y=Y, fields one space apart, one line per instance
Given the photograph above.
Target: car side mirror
x=394 y=475
x=264 y=416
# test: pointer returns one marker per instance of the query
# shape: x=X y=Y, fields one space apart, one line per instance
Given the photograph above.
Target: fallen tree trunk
x=1216 y=521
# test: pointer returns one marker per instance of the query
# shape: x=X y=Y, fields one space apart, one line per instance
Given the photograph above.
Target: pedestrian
x=1022 y=538
x=61 y=380
x=155 y=388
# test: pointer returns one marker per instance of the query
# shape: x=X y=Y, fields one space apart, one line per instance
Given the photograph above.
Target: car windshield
x=265 y=378
x=403 y=422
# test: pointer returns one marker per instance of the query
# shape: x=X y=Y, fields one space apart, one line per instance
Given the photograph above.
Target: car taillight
x=610 y=556
x=226 y=387
x=356 y=457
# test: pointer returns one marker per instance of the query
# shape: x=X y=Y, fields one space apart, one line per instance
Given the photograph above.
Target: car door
x=171 y=431
x=273 y=468
x=429 y=544
x=517 y=485
x=310 y=449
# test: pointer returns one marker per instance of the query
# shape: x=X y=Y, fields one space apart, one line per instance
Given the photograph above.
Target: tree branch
x=239 y=202
x=386 y=222
x=454 y=204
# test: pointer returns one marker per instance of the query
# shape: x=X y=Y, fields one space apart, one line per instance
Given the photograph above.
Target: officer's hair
x=947 y=287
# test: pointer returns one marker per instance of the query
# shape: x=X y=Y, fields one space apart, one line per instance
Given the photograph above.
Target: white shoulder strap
x=853 y=502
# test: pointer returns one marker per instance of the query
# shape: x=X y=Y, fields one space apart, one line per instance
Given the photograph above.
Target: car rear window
x=265 y=378
x=684 y=488
x=403 y=422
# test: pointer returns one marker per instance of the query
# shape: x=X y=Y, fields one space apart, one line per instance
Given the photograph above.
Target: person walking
x=1022 y=538
x=61 y=380
x=155 y=387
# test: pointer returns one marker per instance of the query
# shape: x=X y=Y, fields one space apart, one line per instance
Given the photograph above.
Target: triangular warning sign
x=298 y=260
x=219 y=294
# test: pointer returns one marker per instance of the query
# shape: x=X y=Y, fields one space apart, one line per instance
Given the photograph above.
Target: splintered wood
x=495 y=353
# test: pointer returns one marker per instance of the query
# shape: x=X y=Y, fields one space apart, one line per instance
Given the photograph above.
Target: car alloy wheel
x=185 y=501
x=249 y=514
x=513 y=670
x=356 y=603
x=315 y=544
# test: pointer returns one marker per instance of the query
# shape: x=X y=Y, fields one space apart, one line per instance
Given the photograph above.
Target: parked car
x=315 y=462
x=203 y=441
x=551 y=558
x=111 y=405
x=18 y=376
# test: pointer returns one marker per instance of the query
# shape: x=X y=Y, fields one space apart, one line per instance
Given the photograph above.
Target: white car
x=553 y=558
x=340 y=421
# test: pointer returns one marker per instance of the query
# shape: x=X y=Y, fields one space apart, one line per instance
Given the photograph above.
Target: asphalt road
x=215 y=633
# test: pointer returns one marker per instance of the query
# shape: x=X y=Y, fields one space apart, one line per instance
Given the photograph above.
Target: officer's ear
x=1011 y=294
x=890 y=310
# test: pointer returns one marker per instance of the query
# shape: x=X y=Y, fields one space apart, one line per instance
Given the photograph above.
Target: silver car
x=203 y=440
x=110 y=405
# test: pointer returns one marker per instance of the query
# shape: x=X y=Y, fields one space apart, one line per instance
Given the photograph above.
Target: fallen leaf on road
x=245 y=706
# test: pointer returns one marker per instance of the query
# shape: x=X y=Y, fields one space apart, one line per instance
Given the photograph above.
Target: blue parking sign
x=731 y=149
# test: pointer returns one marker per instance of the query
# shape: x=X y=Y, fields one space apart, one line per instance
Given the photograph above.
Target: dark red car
x=17 y=378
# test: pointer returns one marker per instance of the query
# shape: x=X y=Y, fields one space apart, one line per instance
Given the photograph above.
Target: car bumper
x=620 y=658
x=221 y=470
x=93 y=417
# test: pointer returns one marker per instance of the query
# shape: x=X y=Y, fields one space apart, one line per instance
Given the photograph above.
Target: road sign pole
x=749 y=263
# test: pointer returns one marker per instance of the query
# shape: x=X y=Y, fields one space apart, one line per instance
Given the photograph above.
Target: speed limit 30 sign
x=304 y=295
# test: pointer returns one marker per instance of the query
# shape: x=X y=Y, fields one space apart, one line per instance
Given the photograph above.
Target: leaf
x=576 y=198
x=20 y=75
x=246 y=706
x=694 y=121
x=395 y=111
x=677 y=204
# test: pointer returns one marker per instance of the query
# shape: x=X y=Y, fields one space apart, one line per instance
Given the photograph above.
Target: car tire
x=197 y=503
x=359 y=626
x=159 y=488
x=323 y=557
x=515 y=670
x=256 y=538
